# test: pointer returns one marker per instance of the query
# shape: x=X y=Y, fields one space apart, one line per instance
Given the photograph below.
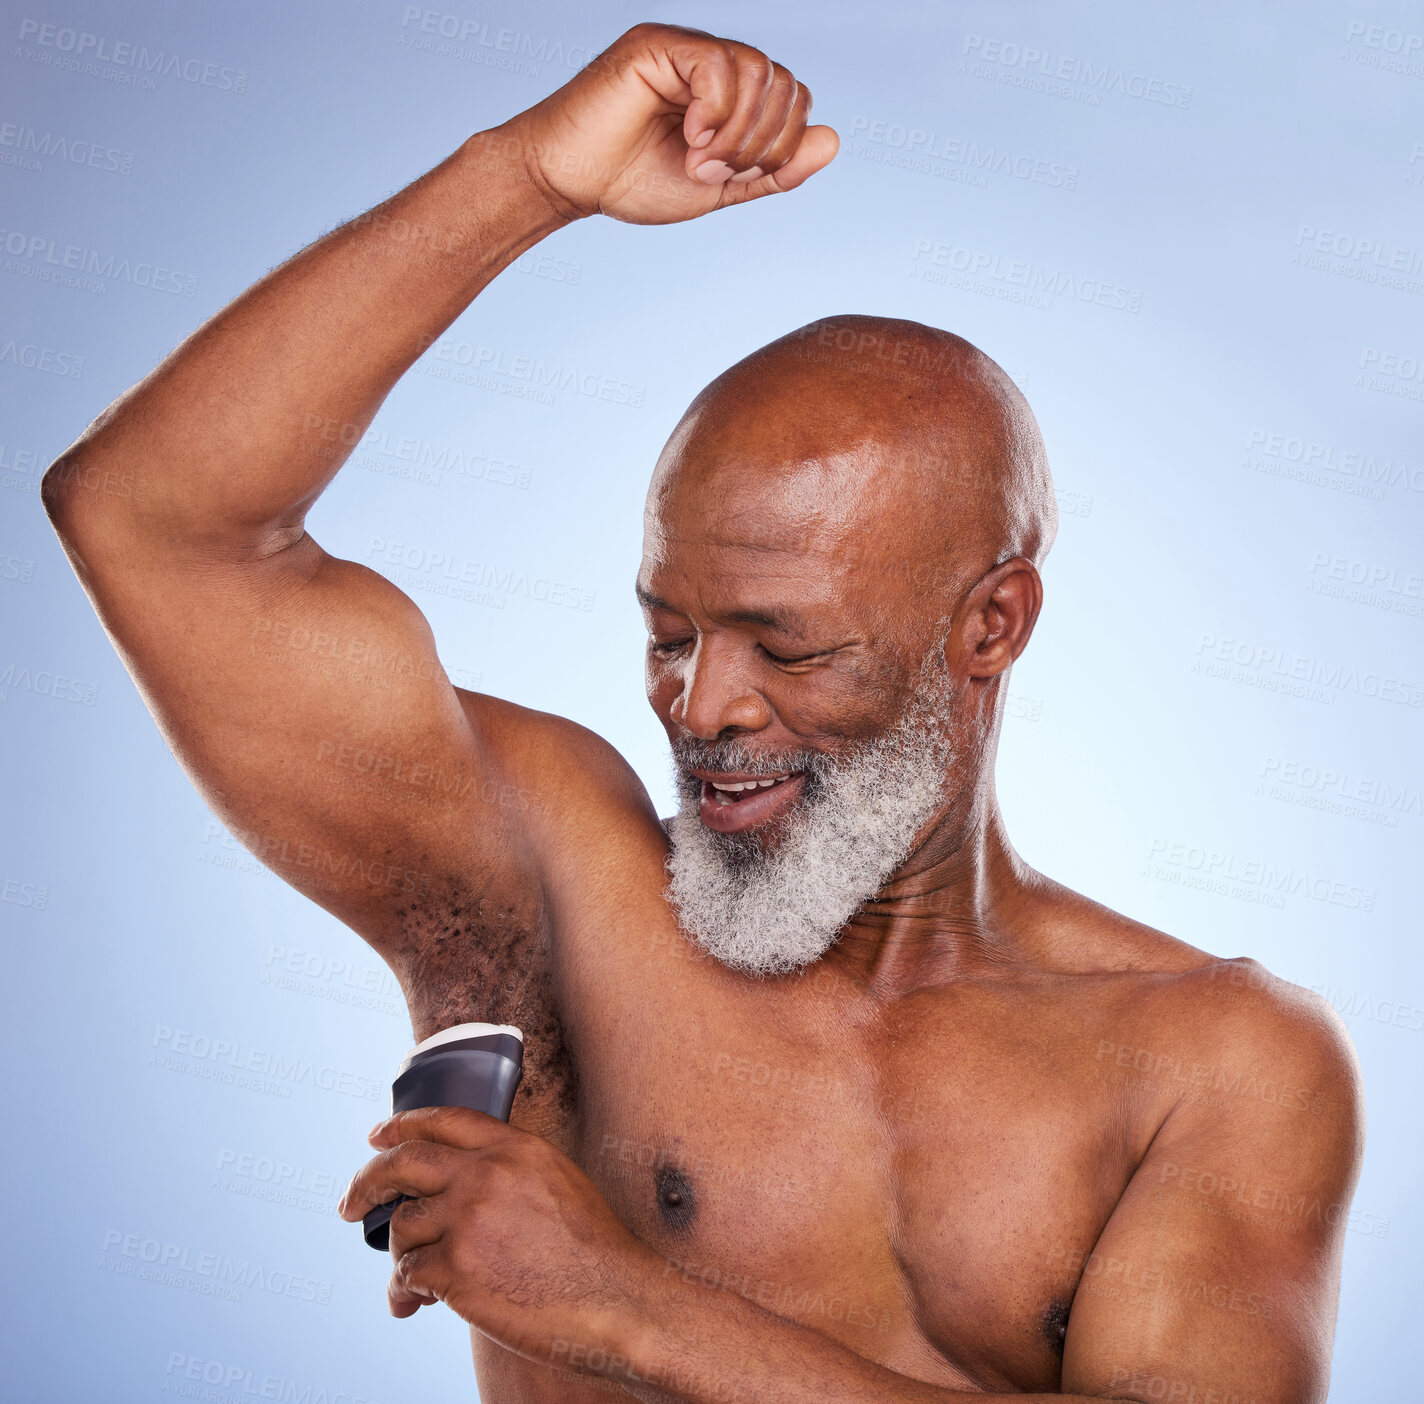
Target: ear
x=998 y=616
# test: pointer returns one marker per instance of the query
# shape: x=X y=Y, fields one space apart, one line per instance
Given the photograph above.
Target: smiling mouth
x=725 y=792
x=733 y=805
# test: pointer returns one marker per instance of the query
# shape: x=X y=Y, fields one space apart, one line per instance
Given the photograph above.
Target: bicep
x=304 y=697
x=1219 y=1269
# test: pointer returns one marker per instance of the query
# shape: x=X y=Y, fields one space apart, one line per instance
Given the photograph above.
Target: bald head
x=870 y=425
x=839 y=568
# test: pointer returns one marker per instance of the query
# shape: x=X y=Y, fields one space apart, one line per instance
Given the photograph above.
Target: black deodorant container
x=471 y=1065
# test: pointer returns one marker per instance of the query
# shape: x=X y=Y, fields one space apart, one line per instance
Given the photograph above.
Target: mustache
x=691 y=752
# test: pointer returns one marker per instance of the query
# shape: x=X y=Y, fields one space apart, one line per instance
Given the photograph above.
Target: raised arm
x=270 y=665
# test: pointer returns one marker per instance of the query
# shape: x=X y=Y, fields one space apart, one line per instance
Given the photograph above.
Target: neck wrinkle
x=953 y=909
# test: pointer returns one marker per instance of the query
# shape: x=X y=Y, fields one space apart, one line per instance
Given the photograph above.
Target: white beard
x=854 y=823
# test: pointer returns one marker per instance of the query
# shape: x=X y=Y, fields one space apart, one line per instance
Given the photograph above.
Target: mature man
x=829 y=1096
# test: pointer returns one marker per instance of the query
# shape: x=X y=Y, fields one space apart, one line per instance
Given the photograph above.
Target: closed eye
x=778 y=658
x=668 y=648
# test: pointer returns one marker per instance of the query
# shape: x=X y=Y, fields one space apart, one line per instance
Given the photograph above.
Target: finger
x=418 y=1279
x=793 y=128
x=704 y=78
x=415 y=1168
x=781 y=102
x=400 y=1303
x=455 y=1126
x=712 y=163
x=817 y=149
x=415 y=1224
x=401 y=1299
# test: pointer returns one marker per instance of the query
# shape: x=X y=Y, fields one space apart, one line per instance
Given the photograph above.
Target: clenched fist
x=668 y=124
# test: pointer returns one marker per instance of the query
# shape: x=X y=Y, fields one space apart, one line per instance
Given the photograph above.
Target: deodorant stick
x=470 y=1065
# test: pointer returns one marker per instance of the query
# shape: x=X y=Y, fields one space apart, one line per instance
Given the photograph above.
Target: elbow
x=57 y=493
x=81 y=489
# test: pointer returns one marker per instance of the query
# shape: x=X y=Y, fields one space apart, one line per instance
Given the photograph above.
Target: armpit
x=472 y=957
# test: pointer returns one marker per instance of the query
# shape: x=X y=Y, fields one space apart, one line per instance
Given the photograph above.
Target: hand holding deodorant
x=471 y=1065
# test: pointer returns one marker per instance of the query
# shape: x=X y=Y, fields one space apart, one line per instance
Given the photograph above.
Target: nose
x=716 y=696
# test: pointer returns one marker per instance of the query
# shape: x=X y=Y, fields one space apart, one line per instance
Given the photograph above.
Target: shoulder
x=1267 y=1065
x=553 y=759
x=1240 y=1007
x=1219 y=1034
x=1194 y=992
x=580 y=804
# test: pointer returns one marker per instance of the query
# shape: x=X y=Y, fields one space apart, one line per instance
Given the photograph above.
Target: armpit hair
x=471 y=957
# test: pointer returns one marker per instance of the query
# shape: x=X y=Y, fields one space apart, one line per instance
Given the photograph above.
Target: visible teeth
x=737 y=786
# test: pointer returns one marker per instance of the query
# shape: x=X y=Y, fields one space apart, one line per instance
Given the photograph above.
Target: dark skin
x=981 y=1146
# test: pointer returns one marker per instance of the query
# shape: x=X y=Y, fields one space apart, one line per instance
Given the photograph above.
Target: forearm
x=243 y=425
x=700 y=1345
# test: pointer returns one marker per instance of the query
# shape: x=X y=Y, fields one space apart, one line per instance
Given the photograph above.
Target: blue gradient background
x=131 y=920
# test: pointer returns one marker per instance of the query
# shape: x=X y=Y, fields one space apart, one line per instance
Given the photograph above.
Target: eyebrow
x=784 y=621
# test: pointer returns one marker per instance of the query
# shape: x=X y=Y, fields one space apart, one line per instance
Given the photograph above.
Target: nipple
x=676 y=1202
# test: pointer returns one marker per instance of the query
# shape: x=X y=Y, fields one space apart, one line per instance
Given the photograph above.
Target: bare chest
x=922 y=1192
